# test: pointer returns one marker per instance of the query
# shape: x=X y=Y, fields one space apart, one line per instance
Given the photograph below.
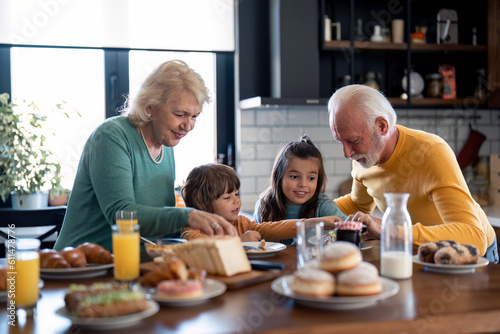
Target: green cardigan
x=115 y=172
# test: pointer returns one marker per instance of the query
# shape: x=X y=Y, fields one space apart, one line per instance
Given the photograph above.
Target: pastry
x=360 y=281
x=426 y=251
x=339 y=256
x=75 y=257
x=448 y=252
x=313 y=282
x=50 y=258
x=457 y=254
x=95 y=253
x=180 y=289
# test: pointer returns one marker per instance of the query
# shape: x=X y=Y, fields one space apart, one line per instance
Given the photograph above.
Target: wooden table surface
x=426 y=303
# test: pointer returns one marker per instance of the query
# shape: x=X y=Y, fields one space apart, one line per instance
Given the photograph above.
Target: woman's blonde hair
x=167 y=79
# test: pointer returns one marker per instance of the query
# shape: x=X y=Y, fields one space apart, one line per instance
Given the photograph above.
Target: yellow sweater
x=440 y=204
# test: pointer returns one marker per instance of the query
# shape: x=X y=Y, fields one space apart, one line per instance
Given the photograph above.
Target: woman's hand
x=373 y=224
x=250 y=235
x=210 y=224
x=328 y=221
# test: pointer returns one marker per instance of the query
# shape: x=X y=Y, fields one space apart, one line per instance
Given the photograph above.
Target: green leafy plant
x=26 y=165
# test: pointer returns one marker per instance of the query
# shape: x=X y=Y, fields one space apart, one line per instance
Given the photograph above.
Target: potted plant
x=27 y=168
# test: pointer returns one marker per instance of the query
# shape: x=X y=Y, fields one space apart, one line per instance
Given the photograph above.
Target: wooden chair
x=49 y=217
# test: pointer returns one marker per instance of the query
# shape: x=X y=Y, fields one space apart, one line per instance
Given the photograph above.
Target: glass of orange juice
x=126 y=217
x=23 y=269
x=126 y=251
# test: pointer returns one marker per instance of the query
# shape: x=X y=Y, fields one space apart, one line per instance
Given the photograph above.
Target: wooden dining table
x=428 y=302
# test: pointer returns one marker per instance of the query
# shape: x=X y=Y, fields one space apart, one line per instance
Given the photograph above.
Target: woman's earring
x=149 y=115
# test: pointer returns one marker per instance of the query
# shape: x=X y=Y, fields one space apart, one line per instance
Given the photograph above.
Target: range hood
x=294 y=56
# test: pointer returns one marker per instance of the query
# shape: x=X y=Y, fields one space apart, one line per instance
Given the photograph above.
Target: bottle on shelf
x=396 y=238
x=377 y=34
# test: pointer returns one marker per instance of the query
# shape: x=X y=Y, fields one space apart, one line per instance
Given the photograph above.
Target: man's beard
x=371 y=158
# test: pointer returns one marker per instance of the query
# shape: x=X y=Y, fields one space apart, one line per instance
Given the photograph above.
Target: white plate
x=92 y=270
x=365 y=246
x=452 y=268
x=211 y=288
x=270 y=249
x=282 y=285
x=3 y=293
x=108 y=323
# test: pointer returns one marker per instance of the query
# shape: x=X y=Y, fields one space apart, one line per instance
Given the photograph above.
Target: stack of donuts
x=78 y=257
x=341 y=272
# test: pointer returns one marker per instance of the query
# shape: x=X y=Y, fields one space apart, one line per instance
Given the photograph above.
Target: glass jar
x=396 y=239
x=434 y=85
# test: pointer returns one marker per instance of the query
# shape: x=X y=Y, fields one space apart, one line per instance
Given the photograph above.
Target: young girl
x=215 y=188
x=298 y=182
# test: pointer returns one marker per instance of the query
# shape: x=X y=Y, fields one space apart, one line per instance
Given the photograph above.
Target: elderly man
x=392 y=158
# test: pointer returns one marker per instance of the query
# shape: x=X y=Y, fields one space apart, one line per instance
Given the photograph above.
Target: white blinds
x=202 y=25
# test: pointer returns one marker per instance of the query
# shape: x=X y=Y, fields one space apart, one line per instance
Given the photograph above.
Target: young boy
x=215 y=188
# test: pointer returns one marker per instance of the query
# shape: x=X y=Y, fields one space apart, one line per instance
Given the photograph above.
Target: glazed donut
x=75 y=257
x=180 y=289
x=340 y=256
x=360 y=281
x=313 y=282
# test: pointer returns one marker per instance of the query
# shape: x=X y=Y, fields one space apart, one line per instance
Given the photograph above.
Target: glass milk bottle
x=396 y=239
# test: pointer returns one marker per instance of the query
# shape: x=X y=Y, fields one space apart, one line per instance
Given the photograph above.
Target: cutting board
x=234 y=282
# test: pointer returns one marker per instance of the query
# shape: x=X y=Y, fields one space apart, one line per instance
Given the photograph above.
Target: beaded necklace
x=151 y=155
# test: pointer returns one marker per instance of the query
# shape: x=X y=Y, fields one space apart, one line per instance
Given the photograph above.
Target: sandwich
x=104 y=300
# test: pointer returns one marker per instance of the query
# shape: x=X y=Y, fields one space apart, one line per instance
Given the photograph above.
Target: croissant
x=75 y=257
x=3 y=279
x=49 y=258
x=457 y=254
x=95 y=253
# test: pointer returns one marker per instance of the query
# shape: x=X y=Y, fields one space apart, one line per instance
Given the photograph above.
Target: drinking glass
x=23 y=273
x=126 y=217
x=126 y=251
x=309 y=242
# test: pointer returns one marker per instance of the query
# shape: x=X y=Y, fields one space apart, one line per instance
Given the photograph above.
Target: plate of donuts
x=451 y=268
x=282 y=286
x=211 y=289
x=91 y=270
x=259 y=249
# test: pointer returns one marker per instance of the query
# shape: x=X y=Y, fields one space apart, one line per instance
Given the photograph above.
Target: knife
x=266 y=265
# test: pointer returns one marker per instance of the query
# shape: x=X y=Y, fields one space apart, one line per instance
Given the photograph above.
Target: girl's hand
x=328 y=221
x=250 y=235
x=373 y=224
x=210 y=224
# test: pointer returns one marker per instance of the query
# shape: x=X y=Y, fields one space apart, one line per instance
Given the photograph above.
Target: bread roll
x=340 y=256
x=313 y=282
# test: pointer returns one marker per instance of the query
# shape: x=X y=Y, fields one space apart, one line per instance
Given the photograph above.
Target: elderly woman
x=128 y=164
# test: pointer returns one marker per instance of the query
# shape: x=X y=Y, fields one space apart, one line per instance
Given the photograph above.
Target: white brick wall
x=265 y=130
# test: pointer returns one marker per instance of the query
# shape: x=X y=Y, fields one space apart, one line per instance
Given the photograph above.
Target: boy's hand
x=328 y=221
x=250 y=236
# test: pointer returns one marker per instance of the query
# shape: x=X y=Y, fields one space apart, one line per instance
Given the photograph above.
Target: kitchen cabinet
x=354 y=55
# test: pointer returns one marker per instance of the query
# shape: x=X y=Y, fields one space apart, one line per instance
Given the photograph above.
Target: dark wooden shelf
x=366 y=45
x=395 y=101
